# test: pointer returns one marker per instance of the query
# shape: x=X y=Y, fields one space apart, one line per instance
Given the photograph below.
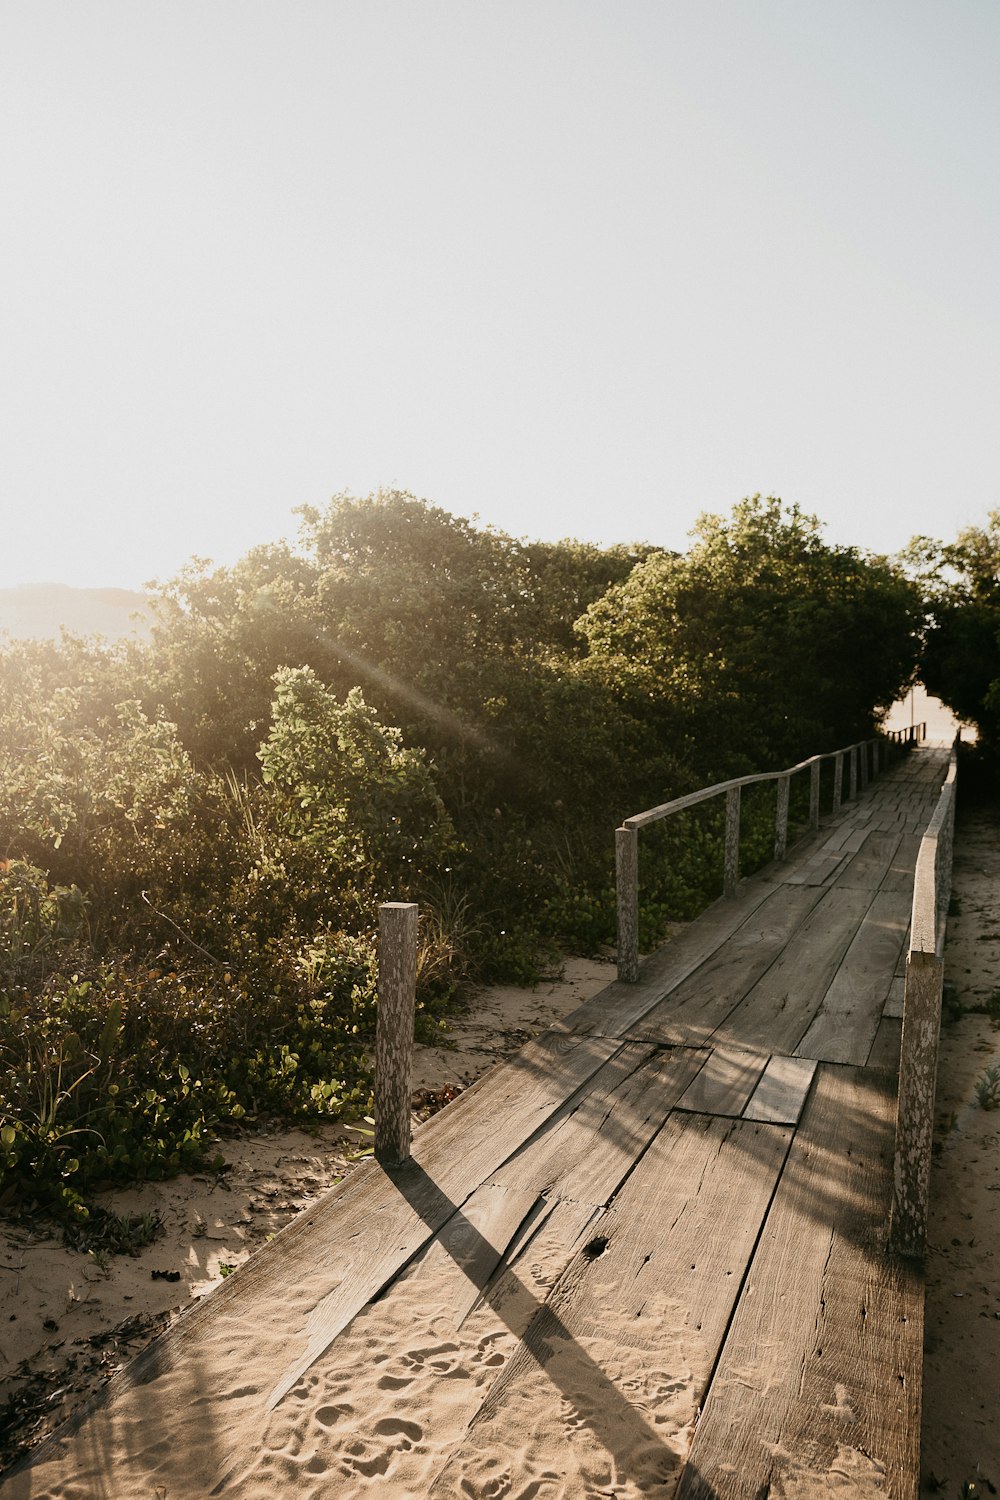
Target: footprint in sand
x=328 y=1416
x=487 y=1355
x=373 y=1462
x=433 y=1360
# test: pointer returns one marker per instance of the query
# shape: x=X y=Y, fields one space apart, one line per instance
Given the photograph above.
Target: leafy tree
x=961 y=658
x=770 y=642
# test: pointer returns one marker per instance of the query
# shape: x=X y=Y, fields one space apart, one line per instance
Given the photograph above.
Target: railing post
x=838 y=780
x=863 y=763
x=915 y=1103
x=627 y=880
x=853 y=786
x=732 y=859
x=397 y=994
x=814 y=773
x=781 y=817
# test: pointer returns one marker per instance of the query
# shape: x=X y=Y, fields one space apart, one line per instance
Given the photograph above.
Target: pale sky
x=585 y=267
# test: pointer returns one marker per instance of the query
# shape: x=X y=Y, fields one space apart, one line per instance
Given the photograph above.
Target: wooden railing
x=922 y=1025
x=862 y=764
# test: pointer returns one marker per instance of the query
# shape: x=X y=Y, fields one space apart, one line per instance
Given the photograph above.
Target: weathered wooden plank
x=848 y=838
x=868 y=868
x=706 y=997
x=894 y=1004
x=616 y=1009
x=778 y=1011
x=725 y=1083
x=286 y=1305
x=817 y=1388
x=818 y=871
x=899 y=875
x=585 y=1149
x=605 y=1386
x=781 y=1092
x=846 y=1023
x=885 y=1047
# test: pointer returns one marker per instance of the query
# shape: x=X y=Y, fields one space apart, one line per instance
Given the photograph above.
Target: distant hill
x=41 y=610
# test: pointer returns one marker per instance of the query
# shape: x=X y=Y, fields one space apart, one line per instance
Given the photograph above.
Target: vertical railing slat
x=781 y=817
x=627 y=881
x=732 y=859
x=397 y=994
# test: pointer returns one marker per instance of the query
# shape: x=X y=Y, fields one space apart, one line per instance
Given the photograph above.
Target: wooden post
x=838 y=781
x=781 y=817
x=863 y=764
x=627 y=880
x=853 y=790
x=874 y=759
x=915 y=1104
x=397 y=996
x=814 y=773
x=732 y=865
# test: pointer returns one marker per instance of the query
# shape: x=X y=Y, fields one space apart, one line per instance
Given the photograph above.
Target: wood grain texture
x=588 y=1146
x=724 y=1085
x=899 y=875
x=703 y=1001
x=627 y=886
x=610 y=1374
x=847 y=1020
x=894 y=1004
x=915 y=1109
x=731 y=863
x=817 y=1389
x=615 y=1010
x=781 y=1093
x=866 y=870
x=776 y=1013
x=397 y=1000
x=885 y=1047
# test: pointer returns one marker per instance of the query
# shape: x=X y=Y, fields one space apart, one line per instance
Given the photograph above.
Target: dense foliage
x=195 y=832
x=961 y=658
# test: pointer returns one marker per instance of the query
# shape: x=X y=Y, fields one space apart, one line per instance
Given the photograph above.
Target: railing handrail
x=922 y=993
x=861 y=767
x=928 y=884
x=691 y=799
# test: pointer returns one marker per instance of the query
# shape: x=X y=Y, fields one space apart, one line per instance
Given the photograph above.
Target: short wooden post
x=814 y=773
x=863 y=764
x=915 y=1104
x=838 y=780
x=853 y=791
x=732 y=860
x=397 y=995
x=874 y=759
x=781 y=817
x=627 y=880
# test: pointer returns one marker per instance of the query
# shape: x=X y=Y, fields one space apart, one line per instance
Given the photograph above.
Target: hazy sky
x=583 y=268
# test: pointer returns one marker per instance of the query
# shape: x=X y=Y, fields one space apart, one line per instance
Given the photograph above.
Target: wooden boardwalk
x=645 y=1258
